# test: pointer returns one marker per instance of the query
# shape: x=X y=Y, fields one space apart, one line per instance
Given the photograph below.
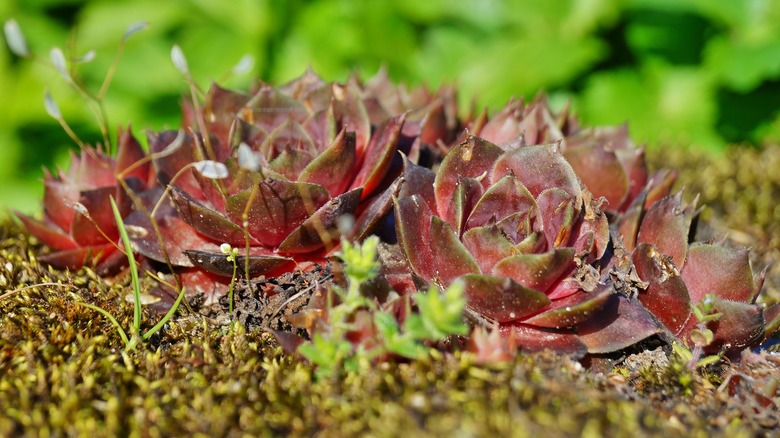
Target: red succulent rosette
x=679 y=275
x=515 y=224
x=297 y=159
x=78 y=223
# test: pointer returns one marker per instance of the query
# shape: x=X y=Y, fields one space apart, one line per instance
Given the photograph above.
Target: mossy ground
x=64 y=371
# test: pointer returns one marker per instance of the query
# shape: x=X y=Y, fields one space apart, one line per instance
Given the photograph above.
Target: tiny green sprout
x=232 y=254
x=441 y=314
x=701 y=336
x=360 y=260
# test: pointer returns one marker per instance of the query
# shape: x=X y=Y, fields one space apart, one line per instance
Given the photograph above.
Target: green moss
x=63 y=371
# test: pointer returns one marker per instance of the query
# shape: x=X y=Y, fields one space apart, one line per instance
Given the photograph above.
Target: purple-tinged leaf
x=772 y=319
x=538 y=168
x=572 y=310
x=619 y=324
x=85 y=229
x=741 y=325
x=504 y=198
x=207 y=220
x=467 y=192
x=489 y=246
x=378 y=156
x=665 y=225
x=537 y=271
x=659 y=186
x=501 y=299
x=374 y=212
x=451 y=258
x=333 y=168
x=666 y=296
x=74 y=259
x=48 y=233
x=723 y=271
x=418 y=180
x=321 y=228
x=260 y=264
x=600 y=171
x=413 y=228
x=472 y=159
x=557 y=213
x=275 y=208
x=530 y=339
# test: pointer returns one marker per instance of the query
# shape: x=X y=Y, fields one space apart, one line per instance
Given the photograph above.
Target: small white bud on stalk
x=15 y=38
x=134 y=28
x=179 y=61
x=51 y=106
x=211 y=169
x=57 y=58
x=244 y=64
x=247 y=158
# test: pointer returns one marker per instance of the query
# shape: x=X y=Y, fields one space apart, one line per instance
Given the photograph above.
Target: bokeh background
x=684 y=73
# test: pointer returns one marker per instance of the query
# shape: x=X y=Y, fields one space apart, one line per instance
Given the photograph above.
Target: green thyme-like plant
x=440 y=315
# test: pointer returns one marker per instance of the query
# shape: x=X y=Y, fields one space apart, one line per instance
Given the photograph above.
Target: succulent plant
x=296 y=160
x=605 y=159
x=516 y=225
x=78 y=223
x=680 y=275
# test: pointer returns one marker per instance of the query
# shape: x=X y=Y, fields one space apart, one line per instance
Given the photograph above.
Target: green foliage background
x=698 y=73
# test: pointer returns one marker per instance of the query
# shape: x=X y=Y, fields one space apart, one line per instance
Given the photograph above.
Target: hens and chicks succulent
x=560 y=235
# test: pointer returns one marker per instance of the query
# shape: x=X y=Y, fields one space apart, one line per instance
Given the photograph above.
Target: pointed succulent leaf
x=741 y=325
x=665 y=225
x=660 y=186
x=666 y=296
x=130 y=154
x=332 y=169
x=48 y=233
x=168 y=165
x=501 y=299
x=85 y=229
x=378 y=156
x=628 y=223
x=56 y=196
x=418 y=180
x=76 y=258
x=489 y=246
x=772 y=318
x=723 y=271
x=572 y=310
x=601 y=172
x=275 y=208
x=507 y=196
x=467 y=192
x=620 y=323
x=321 y=228
x=351 y=114
x=451 y=257
x=217 y=263
x=471 y=159
x=206 y=220
x=412 y=222
x=290 y=163
x=538 y=168
x=289 y=135
x=373 y=214
x=530 y=339
x=537 y=271
x=557 y=210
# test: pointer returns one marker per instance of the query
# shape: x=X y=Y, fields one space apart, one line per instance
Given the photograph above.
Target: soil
x=64 y=369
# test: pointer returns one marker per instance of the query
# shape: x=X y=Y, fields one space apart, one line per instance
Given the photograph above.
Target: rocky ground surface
x=64 y=370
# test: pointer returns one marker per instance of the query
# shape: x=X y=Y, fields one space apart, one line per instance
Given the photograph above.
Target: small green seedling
x=440 y=315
